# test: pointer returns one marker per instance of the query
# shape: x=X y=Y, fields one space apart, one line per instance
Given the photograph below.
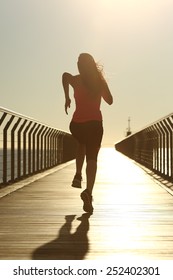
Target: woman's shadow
x=67 y=246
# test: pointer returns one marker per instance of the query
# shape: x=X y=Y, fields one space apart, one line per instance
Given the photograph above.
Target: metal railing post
x=163 y=147
x=170 y=123
x=3 y=118
x=25 y=162
x=13 y=149
x=38 y=149
x=30 y=148
x=5 y=149
x=33 y=147
x=42 y=148
x=19 y=150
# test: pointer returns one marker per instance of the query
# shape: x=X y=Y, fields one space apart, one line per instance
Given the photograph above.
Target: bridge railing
x=152 y=147
x=28 y=147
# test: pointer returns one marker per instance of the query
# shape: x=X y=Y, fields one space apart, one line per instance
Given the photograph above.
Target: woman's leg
x=77 y=132
x=92 y=150
x=80 y=156
x=91 y=170
x=86 y=195
x=95 y=134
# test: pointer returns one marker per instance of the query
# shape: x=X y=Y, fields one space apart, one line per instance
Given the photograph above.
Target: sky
x=131 y=39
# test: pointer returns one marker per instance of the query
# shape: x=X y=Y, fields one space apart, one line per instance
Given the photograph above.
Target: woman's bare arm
x=67 y=79
x=106 y=94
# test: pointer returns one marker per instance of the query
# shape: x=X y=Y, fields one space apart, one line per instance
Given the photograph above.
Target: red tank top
x=87 y=108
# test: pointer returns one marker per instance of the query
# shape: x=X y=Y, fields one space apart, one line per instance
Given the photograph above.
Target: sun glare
x=120 y=194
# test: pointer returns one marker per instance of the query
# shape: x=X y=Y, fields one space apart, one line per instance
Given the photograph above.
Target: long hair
x=91 y=74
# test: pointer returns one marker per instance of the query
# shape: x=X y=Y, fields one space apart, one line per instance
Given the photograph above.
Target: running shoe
x=76 y=183
x=87 y=201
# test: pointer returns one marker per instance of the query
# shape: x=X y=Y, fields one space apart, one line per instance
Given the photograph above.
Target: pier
x=41 y=216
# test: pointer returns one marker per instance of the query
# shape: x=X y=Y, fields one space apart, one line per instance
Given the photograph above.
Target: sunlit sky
x=132 y=39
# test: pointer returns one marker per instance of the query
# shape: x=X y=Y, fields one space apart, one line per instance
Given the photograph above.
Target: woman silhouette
x=86 y=125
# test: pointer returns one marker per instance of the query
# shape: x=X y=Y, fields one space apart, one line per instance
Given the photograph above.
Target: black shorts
x=90 y=134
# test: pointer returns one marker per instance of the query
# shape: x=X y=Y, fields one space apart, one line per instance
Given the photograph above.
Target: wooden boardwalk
x=133 y=216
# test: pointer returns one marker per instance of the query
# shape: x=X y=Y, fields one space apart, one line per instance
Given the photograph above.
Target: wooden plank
x=132 y=216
